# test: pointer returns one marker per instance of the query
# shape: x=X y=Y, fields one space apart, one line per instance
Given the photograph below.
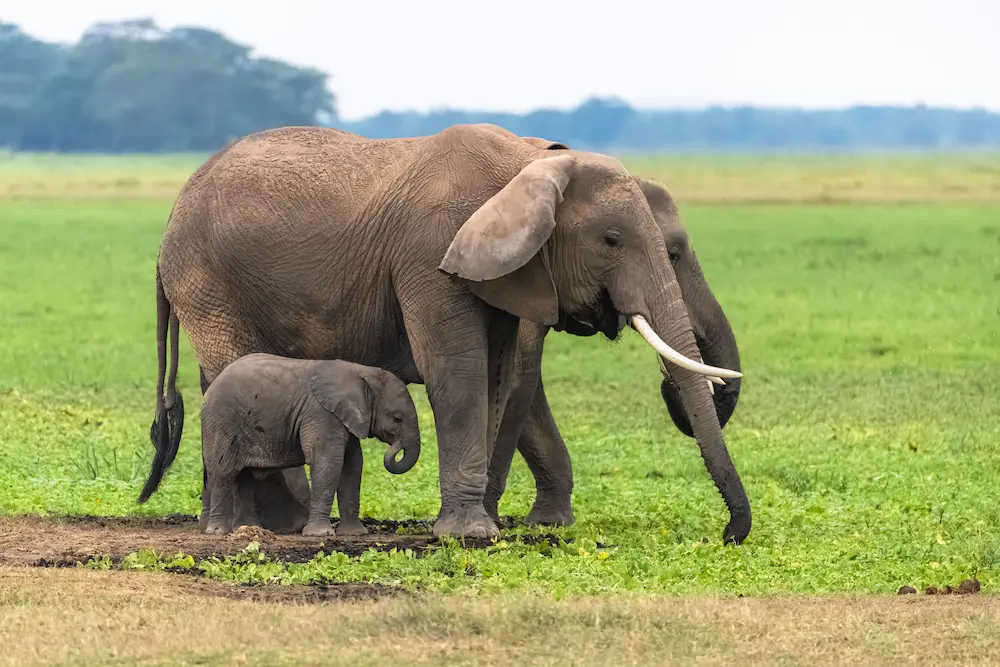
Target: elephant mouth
x=601 y=317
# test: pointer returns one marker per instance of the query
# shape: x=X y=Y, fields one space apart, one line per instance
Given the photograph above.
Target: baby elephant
x=265 y=412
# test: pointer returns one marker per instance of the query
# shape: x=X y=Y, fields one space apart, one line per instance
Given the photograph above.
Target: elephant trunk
x=718 y=347
x=411 y=452
x=694 y=380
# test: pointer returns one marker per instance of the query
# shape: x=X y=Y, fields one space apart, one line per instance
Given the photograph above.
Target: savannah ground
x=864 y=295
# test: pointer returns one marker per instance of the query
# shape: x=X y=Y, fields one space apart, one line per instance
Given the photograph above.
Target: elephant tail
x=168 y=424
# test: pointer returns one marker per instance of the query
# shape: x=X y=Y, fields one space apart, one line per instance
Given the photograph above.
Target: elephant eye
x=612 y=238
x=674 y=252
x=398 y=419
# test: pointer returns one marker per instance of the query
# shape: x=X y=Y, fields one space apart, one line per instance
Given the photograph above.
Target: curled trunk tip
x=410 y=456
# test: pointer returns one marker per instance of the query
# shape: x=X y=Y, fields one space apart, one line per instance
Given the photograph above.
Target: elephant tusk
x=675 y=357
x=665 y=373
x=712 y=380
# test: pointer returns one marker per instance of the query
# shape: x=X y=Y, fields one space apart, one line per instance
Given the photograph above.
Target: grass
x=53 y=615
x=866 y=437
x=962 y=177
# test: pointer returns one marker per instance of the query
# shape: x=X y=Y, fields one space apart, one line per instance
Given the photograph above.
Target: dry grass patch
x=84 y=617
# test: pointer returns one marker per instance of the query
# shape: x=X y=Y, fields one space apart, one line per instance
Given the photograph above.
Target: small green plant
x=144 y=559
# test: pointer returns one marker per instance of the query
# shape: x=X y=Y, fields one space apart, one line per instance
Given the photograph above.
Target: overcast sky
x=523 y=54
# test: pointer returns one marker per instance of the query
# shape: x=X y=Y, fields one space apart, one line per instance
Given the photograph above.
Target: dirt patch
x=967 y=587
x=64 y=541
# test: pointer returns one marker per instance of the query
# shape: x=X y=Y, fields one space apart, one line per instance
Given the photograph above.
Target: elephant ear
x=348 y=396
x=545 y=144
x=499 y=249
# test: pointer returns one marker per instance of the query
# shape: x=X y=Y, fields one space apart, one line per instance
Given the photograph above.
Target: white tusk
x=675 y=357
x=712 y=380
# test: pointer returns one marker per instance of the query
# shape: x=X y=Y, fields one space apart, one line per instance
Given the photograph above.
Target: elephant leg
x=282 y=500
x=325 y=449
x=544 y=451
x=456 y=390
x=349 y=491
x=451 y=352
x=220 y=518
x=246 y=505
x=529 y=427
x=206 y=491
x=527 y=367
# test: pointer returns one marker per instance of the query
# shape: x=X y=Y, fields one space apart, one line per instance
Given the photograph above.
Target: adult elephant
x=419 y=256
x=529 y=427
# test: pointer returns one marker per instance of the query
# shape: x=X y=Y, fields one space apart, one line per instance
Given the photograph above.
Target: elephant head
x=571 y=237
x=371 y=403
x=395 y=421
x=712 y=331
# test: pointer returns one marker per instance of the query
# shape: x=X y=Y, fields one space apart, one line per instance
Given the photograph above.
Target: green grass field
x=867 y=433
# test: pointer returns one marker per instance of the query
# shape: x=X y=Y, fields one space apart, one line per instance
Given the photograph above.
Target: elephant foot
x=321 y=528
x=218 y=527
x=351 y=527
x=467 y=521
x=551 y=509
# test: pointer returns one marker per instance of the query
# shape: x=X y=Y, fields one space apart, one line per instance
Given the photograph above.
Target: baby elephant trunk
x=410 y=455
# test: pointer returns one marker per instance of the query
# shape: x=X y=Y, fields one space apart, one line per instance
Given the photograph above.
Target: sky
x=519 y=55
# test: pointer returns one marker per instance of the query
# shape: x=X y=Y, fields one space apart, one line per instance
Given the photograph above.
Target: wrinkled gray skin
x=528 y=425
x=420 y=256
x=266 y=412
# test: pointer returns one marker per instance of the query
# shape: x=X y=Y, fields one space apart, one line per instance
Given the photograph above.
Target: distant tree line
x=134 y=87
x=610 y=125
x=131 y=86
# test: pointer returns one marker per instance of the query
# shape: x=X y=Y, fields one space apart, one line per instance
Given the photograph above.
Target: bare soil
x=65 y=541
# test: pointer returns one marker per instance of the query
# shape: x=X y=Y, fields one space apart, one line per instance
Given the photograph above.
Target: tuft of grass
x=866 y=434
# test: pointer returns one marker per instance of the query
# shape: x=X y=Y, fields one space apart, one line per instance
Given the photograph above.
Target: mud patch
x=65 y=541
